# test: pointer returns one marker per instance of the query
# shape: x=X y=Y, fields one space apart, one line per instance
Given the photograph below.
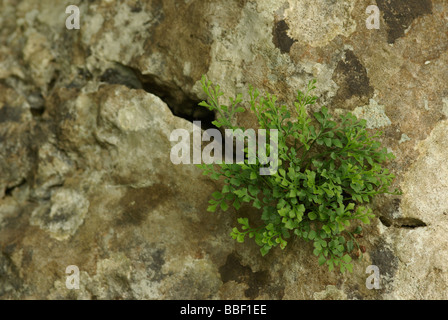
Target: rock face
x=85 y=123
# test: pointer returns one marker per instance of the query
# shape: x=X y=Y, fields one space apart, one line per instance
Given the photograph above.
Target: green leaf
x=337 y=143
x=289 y=224
x=346 y=258
x=253 y=190
x=237 y=204
x=235 y=182
x=217 y=124
x=211 y=208
x=217 y=195
x=257 y=204
x=322 y=260
x=365 y=219
x=265 y=249
x=215 y=176
x=358 y=230
x=241 y=192
x=224 y=206
x=349 y=246
x=319 y=117
x=243 y=221
x=312 y=216
x=323 y=243
x=349 y=267
x=330 y=265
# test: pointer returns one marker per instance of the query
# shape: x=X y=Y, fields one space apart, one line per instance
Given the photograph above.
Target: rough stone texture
x=374 y=115
x=15 y=152
x=85 y=120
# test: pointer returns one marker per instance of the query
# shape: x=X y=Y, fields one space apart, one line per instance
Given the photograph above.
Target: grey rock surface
x=85 y=120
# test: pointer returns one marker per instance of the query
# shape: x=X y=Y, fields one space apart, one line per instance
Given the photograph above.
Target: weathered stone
x=63 y=216
x=373 y=114
x=318 y=22
x=85 y=120
x=15 y=142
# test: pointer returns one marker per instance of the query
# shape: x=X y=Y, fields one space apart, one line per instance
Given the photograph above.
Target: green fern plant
x=327 y=172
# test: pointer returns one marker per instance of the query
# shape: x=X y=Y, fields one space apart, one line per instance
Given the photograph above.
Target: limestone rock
x=85 y=120
x=15 y=142
x=63 y=215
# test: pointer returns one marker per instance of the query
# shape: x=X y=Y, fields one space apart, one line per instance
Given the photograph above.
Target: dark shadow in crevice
x=181 y=104
x=280 y=37
x=34 y=97
x=405 y=223
x=37 y=112
x=409 y=223
x=10 y=190
x=257 y=282
x=385 y=221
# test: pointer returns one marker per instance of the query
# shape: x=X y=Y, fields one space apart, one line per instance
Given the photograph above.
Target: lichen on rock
x=85 y=120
